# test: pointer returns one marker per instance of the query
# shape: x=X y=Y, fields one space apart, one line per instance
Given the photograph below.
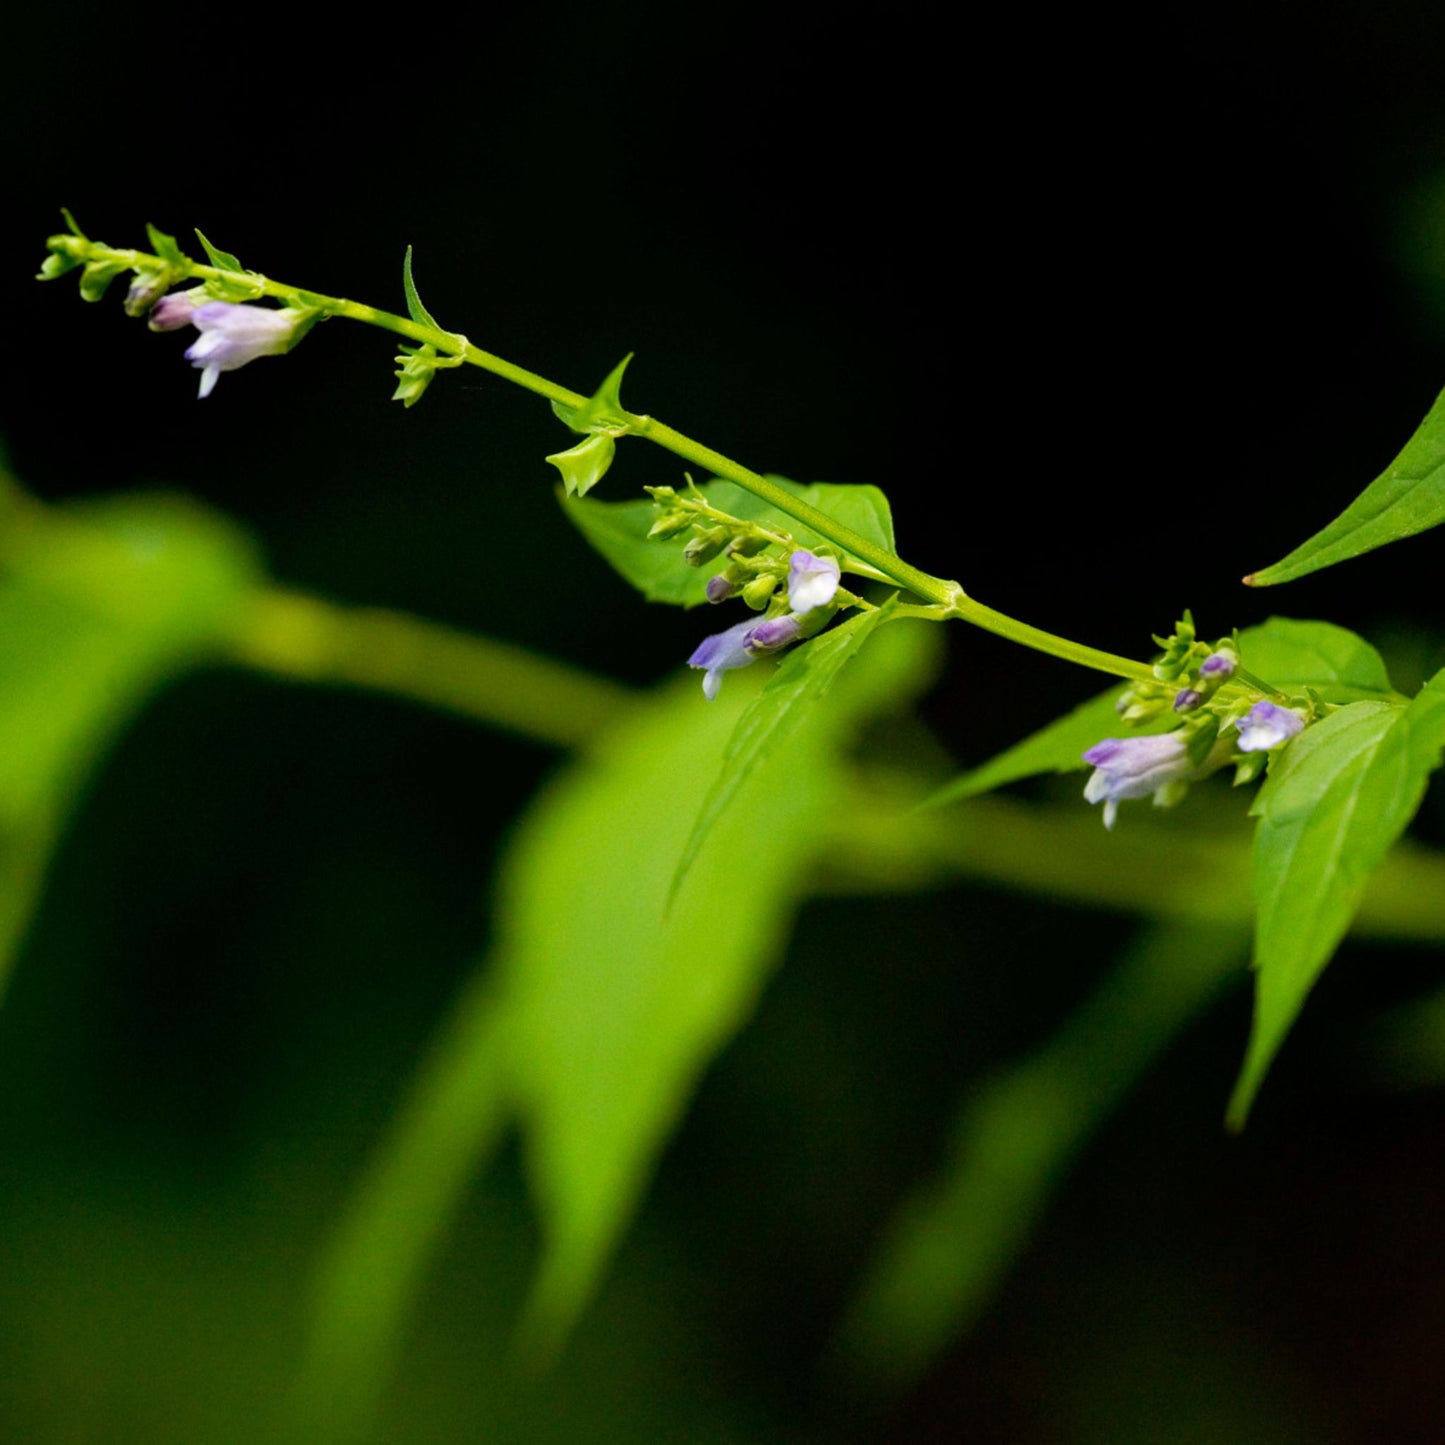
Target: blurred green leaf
x=944 y=1253
x=618 y=530
x=1291 y=653
x=98 y=604
x=603 y=1006
x=1408 y=497
x=166 y=247
x=1339 y=796
x=618 y=1000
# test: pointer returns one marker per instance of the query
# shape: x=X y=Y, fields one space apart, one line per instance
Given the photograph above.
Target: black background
x=1116 y=307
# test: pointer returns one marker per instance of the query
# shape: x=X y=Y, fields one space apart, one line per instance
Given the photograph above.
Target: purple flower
x=720 y=653
x=812 y=581
x=232 y=335
x=1266 y=726
x=1218 y=665
x=173 y=311
x=1187 y=699
x=1135 y=768
x=719 y=589
x=773 y=633
x=739 y=645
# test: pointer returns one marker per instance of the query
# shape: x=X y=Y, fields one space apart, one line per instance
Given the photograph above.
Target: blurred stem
x=293 y=635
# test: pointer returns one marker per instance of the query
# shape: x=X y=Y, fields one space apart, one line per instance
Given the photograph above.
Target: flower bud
x=705 y=546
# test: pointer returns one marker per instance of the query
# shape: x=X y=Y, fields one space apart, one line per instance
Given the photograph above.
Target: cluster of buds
x=794 y=588
x=1211 y=728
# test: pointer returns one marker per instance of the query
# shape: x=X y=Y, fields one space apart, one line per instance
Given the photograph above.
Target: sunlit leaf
x=1408 y=497
x=618 y=530
x=1341 y=794
x=943 y=1254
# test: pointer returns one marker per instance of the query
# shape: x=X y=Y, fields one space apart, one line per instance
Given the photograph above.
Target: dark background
x=1116 y=307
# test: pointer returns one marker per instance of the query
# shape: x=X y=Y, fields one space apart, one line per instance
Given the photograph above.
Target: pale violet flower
x=175 y=309
x=720 y=653
x=812 y=581
x=232 y=335
x=1266 y=726
x=1219 y=665
x=739 y=645
x=773 y=633
x=1135 y=768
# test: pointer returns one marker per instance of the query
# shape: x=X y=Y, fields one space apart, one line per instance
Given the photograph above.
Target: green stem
x=302 y=637
x=947 y=596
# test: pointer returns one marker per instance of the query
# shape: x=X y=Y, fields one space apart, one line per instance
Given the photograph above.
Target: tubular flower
x=1135 y=768
x=175 y=309
x=1266 y=726
x=720 y=653
x=812 y=581
x=232 y=335
x=739 y=645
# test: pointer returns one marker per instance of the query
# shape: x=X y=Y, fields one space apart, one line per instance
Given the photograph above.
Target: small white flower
x=812 y=581
x=1266 y=726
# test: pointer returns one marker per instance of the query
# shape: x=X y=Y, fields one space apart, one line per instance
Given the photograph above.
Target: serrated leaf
x=97 y=604
x=1291 y=653
x=657 y=569
x=1408 y=497
x=584 y=465
x=166 y=247
x=802 y=680
x=415 y=309
x=1338 y=797
x=944 y=1254
x=221 y=260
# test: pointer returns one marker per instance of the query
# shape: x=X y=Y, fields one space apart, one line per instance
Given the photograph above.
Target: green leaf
x=1057 y=748
x=618 y=1000
x=618 y=530
x=603 y=411
x=1337 y=664
x=1338 y=797
x=97 y=605
x=72 y=225
x=801 y=682
x=1407 y=498
x=945 y=1252
x=221 y=260
x=96 y=278
x=415 y=309
x=584 y=465
x=167 y=248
